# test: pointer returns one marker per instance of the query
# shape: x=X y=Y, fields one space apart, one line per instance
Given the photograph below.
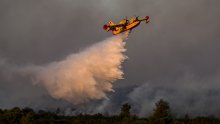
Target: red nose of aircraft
x=105 y=27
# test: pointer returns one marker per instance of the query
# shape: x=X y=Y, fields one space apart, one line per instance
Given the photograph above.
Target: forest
x=161 y=115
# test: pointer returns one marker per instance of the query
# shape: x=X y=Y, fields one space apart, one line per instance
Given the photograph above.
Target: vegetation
x=125 y=110
x=161 y=115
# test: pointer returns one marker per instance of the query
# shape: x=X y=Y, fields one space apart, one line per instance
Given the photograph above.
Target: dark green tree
x=125 y=110
x=27 y=110
x=28 y=118
x=161 y=113
x=186 y=119
x=1 y=117
x=13 y=116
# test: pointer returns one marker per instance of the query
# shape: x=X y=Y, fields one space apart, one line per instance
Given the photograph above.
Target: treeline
x=161 y=115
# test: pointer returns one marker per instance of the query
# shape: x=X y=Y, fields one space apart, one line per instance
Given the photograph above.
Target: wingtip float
x=124 y=25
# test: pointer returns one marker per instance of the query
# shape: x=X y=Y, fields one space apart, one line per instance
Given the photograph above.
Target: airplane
x=125 y=25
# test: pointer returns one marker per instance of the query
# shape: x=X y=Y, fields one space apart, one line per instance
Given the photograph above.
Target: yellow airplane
x=124 y=25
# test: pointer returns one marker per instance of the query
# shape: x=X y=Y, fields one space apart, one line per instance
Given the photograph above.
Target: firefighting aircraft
x=124 y=25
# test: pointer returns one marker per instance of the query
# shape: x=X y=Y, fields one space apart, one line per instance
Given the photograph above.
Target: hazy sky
x=175 y=56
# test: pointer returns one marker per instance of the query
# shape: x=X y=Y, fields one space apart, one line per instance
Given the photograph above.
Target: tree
x=186 y=119
x=1 y=117
x=125 y=110
x=28 y=118
x=13 y=116
x=27 y=110
x=161 y=113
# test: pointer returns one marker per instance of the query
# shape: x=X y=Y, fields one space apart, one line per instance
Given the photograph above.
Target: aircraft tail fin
x=147 y=18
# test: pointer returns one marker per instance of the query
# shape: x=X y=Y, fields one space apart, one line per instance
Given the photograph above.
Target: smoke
x=84 y=76
x=182 y=100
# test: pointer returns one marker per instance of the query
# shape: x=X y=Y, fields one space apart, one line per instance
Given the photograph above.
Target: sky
x=174 y=57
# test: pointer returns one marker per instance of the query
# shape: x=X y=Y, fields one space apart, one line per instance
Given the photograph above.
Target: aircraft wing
x=118 y=25
x=112 y=27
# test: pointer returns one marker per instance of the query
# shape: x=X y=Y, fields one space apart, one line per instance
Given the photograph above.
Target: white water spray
x=87 y=75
